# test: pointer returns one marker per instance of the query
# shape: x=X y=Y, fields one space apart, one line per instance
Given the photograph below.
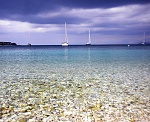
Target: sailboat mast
x=89 y=37
x=144 y=38
x=66 y=37
x=29 y=35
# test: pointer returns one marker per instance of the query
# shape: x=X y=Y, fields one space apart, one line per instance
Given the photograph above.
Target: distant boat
x=66 y=37
x=144 y=42
x=29 y=44
x=89 y=40
x=128 y=45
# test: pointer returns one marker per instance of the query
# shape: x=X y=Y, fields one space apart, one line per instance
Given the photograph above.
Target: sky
x=41 y=22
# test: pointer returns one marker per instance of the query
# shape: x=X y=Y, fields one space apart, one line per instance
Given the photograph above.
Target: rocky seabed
x=76 y=97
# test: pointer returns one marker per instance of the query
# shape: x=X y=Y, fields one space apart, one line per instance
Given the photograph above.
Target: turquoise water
x=23 y=61
x=110 y=72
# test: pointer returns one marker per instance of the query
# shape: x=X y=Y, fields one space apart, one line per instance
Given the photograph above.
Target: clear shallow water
x=107 y=76
x=42 y=60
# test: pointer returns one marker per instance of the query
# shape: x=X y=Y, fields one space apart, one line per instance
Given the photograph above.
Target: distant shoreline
x=14 y=44
x=7 y=44
x=94 y=45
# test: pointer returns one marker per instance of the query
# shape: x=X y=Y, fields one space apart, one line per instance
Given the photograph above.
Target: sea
x=75 y=84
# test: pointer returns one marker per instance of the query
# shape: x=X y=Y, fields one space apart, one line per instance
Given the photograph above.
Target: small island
x=7 y=43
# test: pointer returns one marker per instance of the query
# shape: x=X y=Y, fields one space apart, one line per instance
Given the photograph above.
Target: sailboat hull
x=65 y=44
x=88 y=44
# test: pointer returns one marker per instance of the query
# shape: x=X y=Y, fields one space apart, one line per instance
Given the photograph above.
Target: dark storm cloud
x=99 y=3
x=29 y=7
x=25 y=6
x=115 y=19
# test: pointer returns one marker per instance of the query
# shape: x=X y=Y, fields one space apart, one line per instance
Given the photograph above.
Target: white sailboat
x=89 y=41
x=66 y=37
x=144 y=42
